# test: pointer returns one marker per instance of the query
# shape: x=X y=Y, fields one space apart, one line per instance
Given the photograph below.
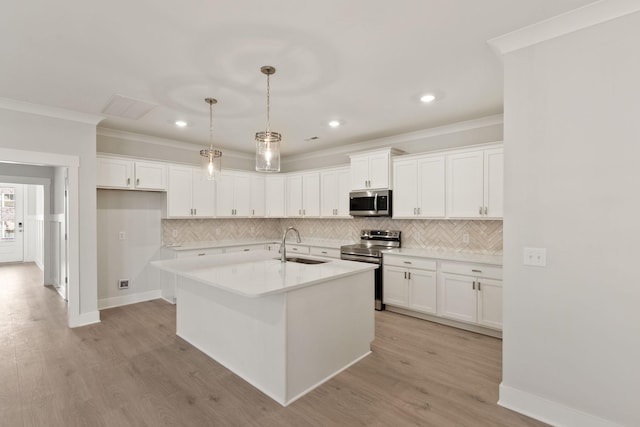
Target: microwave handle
x=375 y=202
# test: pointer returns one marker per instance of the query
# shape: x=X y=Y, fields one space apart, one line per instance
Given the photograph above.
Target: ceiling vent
x=129 y=108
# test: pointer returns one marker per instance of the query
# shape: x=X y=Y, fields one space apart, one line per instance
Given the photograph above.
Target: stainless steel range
x=372 y=243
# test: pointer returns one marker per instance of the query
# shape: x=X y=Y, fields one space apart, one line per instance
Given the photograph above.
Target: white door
x=11 y=223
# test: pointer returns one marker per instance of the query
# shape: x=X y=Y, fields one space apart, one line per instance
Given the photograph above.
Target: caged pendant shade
x=211 y=157
x=268 y=142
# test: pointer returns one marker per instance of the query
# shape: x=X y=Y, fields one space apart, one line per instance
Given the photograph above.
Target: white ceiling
x=363 y=62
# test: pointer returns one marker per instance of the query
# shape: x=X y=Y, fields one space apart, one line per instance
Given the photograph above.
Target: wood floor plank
x=132 y=370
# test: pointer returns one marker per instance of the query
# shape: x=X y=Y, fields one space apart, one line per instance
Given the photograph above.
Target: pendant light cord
x=268 y=105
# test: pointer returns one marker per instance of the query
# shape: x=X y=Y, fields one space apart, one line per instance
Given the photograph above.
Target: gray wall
x=572 y=144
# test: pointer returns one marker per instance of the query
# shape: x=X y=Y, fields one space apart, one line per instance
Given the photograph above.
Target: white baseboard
x=84 y=319
x=548 y=411
x=128 y=299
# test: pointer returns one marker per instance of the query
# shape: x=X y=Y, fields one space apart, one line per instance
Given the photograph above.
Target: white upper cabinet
x=419 y=187
x=371 y=170
x=335 y=185
x=257 y=196
x=129 y=174
x=474 y=184
x=303 y=194
x=234 y=194
x=189 y=194
x=275 y=196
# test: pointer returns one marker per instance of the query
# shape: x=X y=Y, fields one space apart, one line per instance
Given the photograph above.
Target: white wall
x=26 y=131
x=138 y=214
x=572 y=150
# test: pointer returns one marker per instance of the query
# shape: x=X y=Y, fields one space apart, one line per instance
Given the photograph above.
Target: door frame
x=20 y=209
x=72 y=163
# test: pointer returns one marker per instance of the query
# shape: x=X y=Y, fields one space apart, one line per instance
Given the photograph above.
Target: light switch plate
x=535 y=256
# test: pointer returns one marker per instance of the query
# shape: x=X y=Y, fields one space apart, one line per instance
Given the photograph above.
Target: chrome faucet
x=283 y=245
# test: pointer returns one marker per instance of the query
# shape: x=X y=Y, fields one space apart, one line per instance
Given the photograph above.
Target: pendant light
x=211 y=157
x=268 y=142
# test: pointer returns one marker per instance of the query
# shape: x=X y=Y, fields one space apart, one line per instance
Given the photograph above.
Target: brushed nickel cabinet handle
x=202 y=254
x=485 y=210
x=418 y=211
x=474 y=285
x=195 y=211
x=405 y=274
x=480 y=210
x=128 y=181
x=138 y=181
x=477 y=271
x=409 y=275
x=407 y=262
x=479 y=286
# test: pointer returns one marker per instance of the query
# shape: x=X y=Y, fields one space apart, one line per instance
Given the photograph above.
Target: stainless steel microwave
x=370 y=203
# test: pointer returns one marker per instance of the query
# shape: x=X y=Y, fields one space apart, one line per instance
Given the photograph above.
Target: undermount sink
x=304 y=260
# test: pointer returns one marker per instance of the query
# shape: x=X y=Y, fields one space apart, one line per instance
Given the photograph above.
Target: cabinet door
x=179 y=202
x=431 y=187
x=275 y=196
x=225 y=195
x=494 y=182
x=405 y=191
x=294 y=196
x=344 y=188
x=379 y=170
x=242 y=195
x=465 y=174
x=490 y=303
x=359 y=172
x=150 y=176
x=328 y=194
x=457 y=297
x=257 y=195
x=114 y=173
x=311 y=194
x=395 y=289
x=422 y=291
x=204 y=195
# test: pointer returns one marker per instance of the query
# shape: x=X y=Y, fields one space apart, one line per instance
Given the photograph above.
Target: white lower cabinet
x=471 y=293
x=410 y=283
x=461 y=291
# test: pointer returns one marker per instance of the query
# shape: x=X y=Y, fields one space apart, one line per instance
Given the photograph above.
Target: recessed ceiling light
x=181 y=123
x=334 y=123
x=427 y=98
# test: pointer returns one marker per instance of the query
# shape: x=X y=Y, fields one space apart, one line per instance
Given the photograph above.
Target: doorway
x=11 y=223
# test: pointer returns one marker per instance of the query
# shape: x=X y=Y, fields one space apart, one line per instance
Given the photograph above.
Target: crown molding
x=47 y=111
x=557 y=26
x=391 y=141
x=125 y=136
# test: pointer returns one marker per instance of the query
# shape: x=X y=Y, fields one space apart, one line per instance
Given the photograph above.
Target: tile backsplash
x=485 y=237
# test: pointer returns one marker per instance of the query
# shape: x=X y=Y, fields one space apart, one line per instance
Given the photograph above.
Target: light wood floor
x=131 y=370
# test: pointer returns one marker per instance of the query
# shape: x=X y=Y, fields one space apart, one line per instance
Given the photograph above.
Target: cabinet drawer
x=198 y=252
x=247 y=248
x=325 y=252
x=410 y=262
x=475 y=270
x=297 y=249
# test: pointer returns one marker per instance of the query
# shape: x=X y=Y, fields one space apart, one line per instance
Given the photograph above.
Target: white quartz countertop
x=257 y=273
x=448 y=256
x=321 y=243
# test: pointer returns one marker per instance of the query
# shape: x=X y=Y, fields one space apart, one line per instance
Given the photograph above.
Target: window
x=7 y=213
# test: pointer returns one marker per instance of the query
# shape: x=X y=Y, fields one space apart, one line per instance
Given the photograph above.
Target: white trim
x=578 y=19
x=84 y=319
x=398 y=139
x=105 y=303
x=74 y=316
x=548 y=411
x=47 y=111
x=165 y=142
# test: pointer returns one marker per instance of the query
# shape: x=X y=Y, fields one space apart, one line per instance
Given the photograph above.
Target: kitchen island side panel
x=246 y=335
x=330 y=327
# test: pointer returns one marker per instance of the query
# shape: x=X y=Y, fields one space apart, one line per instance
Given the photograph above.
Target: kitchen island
x=283 y=327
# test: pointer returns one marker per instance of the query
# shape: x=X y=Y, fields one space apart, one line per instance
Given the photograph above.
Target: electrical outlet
x=465 y=238
x=535 y=256
x=122 y=235
x=123 y=284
